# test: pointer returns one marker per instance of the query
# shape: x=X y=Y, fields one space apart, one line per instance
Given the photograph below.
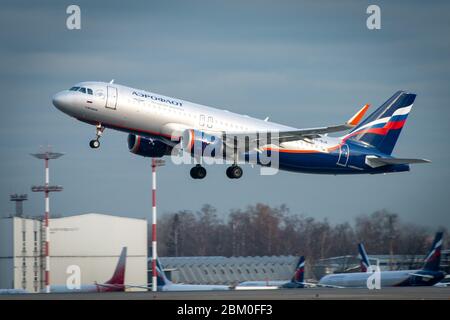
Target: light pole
x=47 y=188
x=155 y=163
x=19 y=199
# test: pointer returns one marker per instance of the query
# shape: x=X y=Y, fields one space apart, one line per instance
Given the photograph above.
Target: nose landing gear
x=95 y=143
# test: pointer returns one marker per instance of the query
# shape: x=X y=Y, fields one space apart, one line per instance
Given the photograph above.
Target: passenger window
x=89 y=91
x=82 y=90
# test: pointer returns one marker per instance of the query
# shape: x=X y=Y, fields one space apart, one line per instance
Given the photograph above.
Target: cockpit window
x=82 y=89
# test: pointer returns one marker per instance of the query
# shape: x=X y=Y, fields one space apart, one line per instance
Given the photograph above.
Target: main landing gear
x=234 y=172
x=94 y=144
x=198 y=172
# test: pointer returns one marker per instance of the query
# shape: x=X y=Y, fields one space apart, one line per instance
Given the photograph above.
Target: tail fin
x=433 y=259
x=162 y=280
x=365 y=264
x=118 y=277
x=299 y=274
x=382 y=128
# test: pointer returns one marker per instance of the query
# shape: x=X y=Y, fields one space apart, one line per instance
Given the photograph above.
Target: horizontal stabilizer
x=375 y=162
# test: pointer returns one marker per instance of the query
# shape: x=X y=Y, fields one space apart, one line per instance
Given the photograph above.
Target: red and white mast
x=155 y=163
x=46 y=156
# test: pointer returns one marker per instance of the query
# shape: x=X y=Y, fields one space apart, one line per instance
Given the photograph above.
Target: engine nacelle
x=148 y=147
x=200 y=143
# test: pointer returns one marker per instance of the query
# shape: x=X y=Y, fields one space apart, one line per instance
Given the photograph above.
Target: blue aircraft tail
x=299 y=274
x=382 y=128
x=365 y=264
x=433 y=259
x=161 y=278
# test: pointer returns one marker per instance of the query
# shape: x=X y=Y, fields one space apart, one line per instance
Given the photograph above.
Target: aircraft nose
x=61 y=100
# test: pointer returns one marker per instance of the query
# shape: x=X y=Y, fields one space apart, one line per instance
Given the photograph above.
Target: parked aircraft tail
x=118 y=277
x=161 y=277
x=365 y=264
x=433 y=259
x=299 y=274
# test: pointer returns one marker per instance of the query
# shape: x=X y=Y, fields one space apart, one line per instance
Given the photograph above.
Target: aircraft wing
x=149 y=287
x=107 y=285
x=311 y=284
x=299 y=134
x=375 y=162
x=421 y=275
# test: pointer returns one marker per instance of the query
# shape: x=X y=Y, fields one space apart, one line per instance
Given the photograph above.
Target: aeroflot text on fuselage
x=145 y=95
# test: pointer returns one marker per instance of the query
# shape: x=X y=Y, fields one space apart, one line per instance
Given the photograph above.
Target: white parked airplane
x=157 y=124
x=164 y=284
x=429 y=275
x=116 y=283
x=297 y=280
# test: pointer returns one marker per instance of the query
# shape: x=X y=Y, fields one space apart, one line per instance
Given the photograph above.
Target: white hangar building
x=91 y=241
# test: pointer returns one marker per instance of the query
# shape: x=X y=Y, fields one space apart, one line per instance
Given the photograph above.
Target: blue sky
x=300 y=63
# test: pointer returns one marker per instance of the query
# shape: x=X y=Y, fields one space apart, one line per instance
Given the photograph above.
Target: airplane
x=366 y=266
x=116 y=283
x=427 y=276
x=297 y=280
x=158 y=126
x=164 y=284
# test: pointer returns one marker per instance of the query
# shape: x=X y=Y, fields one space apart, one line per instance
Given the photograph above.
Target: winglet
x=358 y=116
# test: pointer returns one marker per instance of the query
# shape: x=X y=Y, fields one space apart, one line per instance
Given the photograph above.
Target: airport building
x=20 y=254
x=92 y=242
x=228 y=270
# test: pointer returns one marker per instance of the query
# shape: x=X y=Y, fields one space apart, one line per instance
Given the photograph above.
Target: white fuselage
x=359 y=279
x=142 y=112
x=269 y=283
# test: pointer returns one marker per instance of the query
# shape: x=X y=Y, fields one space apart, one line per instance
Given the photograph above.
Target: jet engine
x=147 y=147
x=200 y=143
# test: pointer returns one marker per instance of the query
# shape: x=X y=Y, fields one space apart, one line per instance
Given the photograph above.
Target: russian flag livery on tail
x=159 y=126
x=382 y=128
x=433 y=259
x=298 y=280
x=299 y=275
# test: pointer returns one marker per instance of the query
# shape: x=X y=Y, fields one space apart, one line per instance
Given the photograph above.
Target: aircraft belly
x=316 y=162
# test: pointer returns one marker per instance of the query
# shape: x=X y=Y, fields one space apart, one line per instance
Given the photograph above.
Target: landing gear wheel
x=198 y=172
x=94 y=144
x=234 y=172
